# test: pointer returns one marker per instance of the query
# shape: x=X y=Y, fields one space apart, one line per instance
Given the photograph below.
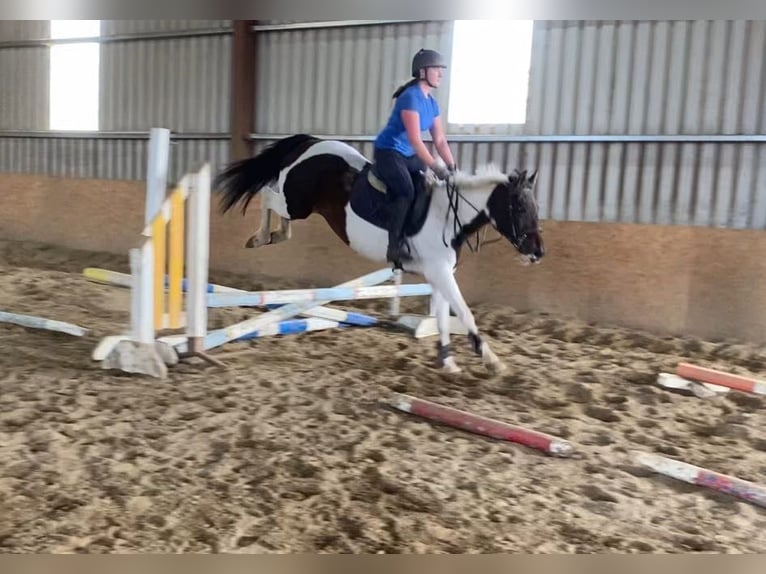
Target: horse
x=303 y=174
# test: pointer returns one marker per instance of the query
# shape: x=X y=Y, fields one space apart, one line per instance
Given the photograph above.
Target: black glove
x=440 y=171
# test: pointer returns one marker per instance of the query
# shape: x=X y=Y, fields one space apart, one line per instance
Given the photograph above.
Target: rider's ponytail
x=403 y=87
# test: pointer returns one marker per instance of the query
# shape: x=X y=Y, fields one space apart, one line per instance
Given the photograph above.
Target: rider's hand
x=440 y=171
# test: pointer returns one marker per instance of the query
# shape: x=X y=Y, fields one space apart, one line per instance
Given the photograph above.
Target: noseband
x=462 y=231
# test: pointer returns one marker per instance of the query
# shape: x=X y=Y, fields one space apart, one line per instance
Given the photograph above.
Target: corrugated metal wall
x=337 y=80
x=181 y=84
x=118 y=27
x=15 y=30
x=179 y=80
x=701 y=77
x=650 y=78
x=118 y=158
x=23 y=76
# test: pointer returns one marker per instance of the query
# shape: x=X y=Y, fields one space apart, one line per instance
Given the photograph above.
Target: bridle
x=462 y=231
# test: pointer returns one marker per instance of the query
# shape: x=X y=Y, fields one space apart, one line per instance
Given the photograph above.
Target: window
x=74 y=76
x=489 y=71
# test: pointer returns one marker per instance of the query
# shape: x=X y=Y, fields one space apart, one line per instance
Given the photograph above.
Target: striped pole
x=237 y=330
x=337 y=315
x=329 y=313
x=481 y=425
x=291 y=327
x=701 y=390
x=699 y=476
x=287 y=327
x=42 y=323
x=260 y=298
x=106 y=276
x=118 y=279
x=714 y=377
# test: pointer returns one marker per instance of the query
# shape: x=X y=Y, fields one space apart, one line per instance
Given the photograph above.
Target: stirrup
x=401 y=254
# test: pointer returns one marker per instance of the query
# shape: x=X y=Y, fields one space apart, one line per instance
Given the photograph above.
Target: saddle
x=369 y=200
x=376 y=182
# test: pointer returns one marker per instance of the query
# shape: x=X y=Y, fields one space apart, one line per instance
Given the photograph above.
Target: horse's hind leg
x=264 y=235
x=284 y=233
x=442 y=278
x=440 y=308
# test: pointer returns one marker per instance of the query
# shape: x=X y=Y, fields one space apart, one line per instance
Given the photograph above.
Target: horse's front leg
x=440 y=308
x=442 y=278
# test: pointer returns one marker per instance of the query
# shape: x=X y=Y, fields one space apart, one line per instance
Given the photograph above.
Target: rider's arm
x=440 y=142
x=411 y=120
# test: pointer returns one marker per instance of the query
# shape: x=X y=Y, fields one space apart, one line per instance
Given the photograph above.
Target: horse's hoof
x=491 y=360
x=278 y=237
x=258 y=241
x=252 y=242
x=450 y=366
x=496 y=366
x=271 y=239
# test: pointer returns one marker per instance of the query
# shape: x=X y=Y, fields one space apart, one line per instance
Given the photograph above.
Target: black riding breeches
x=397 y=172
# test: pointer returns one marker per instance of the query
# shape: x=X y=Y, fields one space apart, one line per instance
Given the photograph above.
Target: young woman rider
x=400 y=151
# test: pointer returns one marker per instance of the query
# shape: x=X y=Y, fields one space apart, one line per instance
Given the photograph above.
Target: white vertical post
x=142 y=295
x=198 y=254
x=156 y=171
x=394 y=304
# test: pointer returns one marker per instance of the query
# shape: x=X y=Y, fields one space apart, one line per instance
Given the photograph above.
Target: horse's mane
x=487 y=174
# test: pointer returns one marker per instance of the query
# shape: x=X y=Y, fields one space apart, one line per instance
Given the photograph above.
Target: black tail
x=243 y=179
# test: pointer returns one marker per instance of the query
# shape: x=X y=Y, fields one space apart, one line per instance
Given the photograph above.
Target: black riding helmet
x=426 y=59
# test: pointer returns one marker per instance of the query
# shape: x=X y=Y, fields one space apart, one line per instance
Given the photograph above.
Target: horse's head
x=512 y=209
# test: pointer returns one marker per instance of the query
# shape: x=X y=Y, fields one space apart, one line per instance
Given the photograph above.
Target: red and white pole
x=481 y=425
x=720 y=378
x=692 y=474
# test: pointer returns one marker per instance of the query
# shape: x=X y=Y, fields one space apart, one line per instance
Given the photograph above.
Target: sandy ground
x=289 y=450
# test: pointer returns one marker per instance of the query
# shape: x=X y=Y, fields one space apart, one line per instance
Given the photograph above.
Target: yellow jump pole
x=158 y=283
x=176 y=258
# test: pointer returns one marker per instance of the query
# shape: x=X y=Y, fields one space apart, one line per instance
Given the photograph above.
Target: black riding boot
x=397 y=253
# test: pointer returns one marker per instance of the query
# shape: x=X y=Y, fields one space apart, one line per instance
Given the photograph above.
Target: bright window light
x=489 y=71
x=74 y=76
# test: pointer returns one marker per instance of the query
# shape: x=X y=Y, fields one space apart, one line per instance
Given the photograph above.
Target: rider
x=399 y=151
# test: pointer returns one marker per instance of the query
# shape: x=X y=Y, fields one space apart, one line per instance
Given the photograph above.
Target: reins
x=463 y=231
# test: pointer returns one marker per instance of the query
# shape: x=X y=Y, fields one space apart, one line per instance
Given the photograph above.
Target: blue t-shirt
x=394 y=134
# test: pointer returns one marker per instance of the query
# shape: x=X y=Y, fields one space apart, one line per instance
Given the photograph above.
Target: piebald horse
x=302 y=174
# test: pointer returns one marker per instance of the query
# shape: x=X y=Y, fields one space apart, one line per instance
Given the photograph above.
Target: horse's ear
x=533 y=177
